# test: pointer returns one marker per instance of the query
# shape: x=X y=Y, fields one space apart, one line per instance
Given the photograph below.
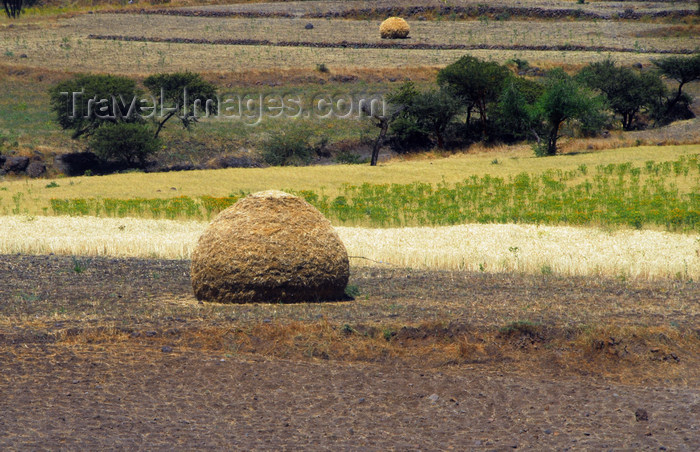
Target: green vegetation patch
x=613 y=194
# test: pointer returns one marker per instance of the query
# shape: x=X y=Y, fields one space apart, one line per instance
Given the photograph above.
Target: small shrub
x=350 y=158
x=79 y=265
x=352 y=290
x=519 y=63
x=540 y=149
x=408 y=136
x=388 y=334
x=322 y=68
x=520 y=327
x=289 y=147
x=347 y=330
x=502 y=16
x=52 y=184
x=127 y=143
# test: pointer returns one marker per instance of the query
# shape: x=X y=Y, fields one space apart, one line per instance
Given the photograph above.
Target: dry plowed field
x=116 y=353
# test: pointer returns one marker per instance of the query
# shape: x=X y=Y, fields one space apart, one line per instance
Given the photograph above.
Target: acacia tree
x=563 y=100
x=407 y=133
x=426 y=113
x=478 y=83
x=13 y=8
x=513 y=118
x=433 y=111
x=86 y=102
x=627 y=91
x=683 y=70
x=183 y=94
x=383 y=122
x=103 y=109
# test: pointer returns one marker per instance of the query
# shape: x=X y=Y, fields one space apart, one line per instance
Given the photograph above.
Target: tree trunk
x=384 y=126
x=162 y=123
x=626 y=121
x=440 y=140
x=482 y=113
x=552 y=141
x=670 y=103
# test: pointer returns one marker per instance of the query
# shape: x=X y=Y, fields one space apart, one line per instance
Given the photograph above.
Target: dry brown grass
x=673 y=31
x=593 y=34
x=633 y=354
x=143 y=58
x=63 y=43
x=256 y=77
x=314 y=7
x=635 y=330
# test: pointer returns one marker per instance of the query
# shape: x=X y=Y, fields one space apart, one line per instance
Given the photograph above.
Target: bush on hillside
x=129 y=144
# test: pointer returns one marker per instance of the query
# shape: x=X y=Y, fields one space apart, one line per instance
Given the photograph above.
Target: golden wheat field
x=488 y=248
x=33 y=196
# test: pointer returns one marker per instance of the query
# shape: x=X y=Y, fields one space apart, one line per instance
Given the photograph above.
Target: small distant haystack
x=270 y=247
x=394 y=28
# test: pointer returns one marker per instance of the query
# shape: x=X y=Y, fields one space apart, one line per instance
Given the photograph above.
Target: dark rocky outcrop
x=16 y=164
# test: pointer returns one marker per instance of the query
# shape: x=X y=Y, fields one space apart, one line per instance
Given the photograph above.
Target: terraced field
x=214 y=41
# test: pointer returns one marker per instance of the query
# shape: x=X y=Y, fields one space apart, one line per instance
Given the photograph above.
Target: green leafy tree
x=513 y=113
x=478 y=83
x=184 y=94
x=627 y=92
x=404 y=94
x=127 y=143
x=406 y=132
x=433 y=111
x=563 y=100
x=86 y=102
x=683 y=70
x=422 y=114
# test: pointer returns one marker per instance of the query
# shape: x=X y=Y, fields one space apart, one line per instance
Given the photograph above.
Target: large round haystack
x=270 y=247
x=394 y=28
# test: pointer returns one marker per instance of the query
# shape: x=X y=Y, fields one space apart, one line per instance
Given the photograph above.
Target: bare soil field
x=116 y=353
x=141 y=398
